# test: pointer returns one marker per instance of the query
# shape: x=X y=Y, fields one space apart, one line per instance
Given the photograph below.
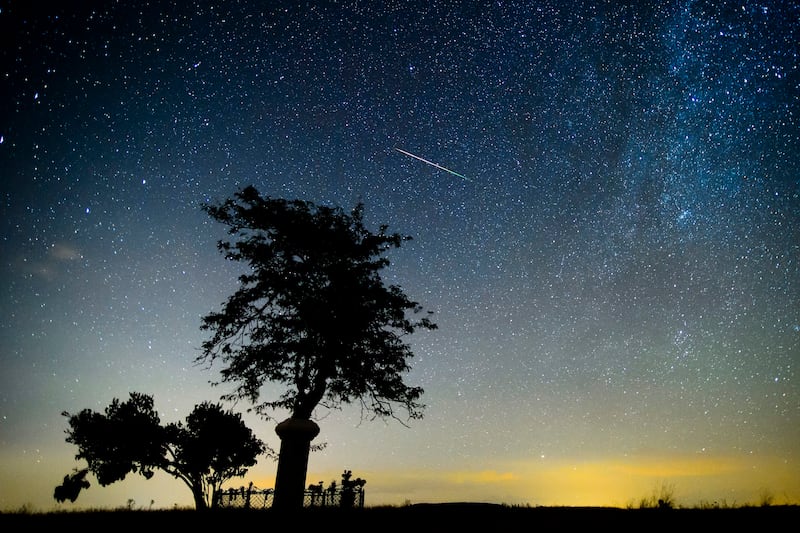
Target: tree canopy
x=312 y=311
x=211 y=447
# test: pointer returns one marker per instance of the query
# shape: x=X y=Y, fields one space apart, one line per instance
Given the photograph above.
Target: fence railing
x=245 y=498
x=255 y=498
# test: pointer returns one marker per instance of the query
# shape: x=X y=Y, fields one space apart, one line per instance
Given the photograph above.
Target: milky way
x=617 y=280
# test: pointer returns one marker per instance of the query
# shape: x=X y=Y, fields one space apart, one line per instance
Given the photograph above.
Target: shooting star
x=440 y=167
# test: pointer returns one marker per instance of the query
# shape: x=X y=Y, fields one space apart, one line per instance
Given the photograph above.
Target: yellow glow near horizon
x=689 y=481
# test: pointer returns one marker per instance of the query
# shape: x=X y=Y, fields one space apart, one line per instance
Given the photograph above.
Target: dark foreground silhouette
x=459 y=517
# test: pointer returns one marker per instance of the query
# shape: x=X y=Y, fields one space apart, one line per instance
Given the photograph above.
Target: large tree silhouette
x=313 y=314
x=212 y=447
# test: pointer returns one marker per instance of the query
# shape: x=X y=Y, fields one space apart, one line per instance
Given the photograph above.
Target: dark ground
x=454 y=517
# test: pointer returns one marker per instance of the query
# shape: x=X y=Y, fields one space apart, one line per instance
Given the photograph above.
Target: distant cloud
x=49 y=266
x=65 y=252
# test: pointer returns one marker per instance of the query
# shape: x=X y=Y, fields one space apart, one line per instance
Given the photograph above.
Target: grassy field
x=417 y=518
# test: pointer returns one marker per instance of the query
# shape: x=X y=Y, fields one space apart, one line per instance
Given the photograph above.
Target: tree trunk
x=199 y=498
x=290 y=482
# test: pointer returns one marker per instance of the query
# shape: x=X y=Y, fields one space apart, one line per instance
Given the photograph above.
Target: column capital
x=297 y=428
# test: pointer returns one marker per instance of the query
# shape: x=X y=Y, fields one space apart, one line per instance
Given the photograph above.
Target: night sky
x=612 y=262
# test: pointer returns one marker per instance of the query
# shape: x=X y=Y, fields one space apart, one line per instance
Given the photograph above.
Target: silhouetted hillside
x=417 y=518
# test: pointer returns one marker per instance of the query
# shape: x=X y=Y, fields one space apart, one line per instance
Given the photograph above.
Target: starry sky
x=613 y=267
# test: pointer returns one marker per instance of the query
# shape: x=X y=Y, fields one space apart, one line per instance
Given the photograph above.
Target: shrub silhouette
x=72 y=486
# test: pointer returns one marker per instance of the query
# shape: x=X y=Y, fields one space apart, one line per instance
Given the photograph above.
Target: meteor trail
x=440 y=167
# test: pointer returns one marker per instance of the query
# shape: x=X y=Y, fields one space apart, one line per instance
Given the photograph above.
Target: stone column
x=290 y=481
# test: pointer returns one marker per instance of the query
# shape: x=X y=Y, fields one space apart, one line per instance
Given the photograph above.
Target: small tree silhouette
x=212 y=447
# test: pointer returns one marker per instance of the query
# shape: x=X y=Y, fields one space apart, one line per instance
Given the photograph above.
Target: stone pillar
x=290 y=481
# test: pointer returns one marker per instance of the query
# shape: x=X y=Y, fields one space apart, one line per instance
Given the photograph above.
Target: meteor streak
x=440 y=167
